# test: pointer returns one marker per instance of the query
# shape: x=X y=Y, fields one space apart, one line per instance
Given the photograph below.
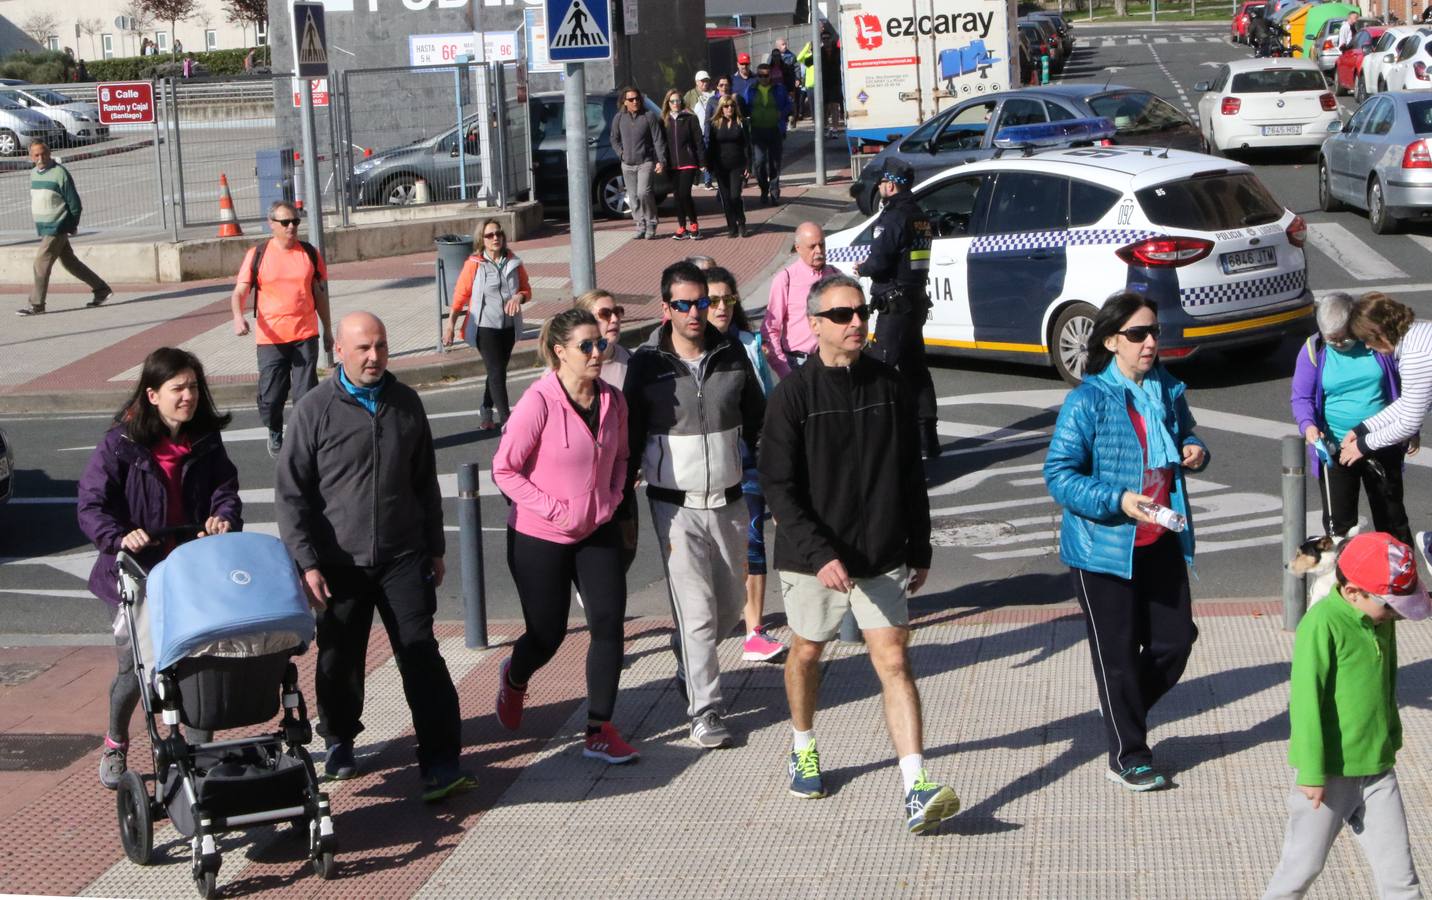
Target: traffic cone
x=228 y=222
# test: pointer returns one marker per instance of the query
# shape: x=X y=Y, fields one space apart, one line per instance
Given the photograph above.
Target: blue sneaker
x=1138 y=778
x=928 y=804
x=804 y=768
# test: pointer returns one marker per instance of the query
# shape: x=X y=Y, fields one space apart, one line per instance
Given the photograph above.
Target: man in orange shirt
x=291 y=303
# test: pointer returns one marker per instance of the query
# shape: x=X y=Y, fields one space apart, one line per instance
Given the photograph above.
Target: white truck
x=905 y=60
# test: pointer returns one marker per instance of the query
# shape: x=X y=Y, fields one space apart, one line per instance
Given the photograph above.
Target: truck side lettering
x=978 y=24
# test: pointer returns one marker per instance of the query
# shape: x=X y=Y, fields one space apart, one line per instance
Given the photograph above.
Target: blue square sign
x=579 y=30
x=310 y=41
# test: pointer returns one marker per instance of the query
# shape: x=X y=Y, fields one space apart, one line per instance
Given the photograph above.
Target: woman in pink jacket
x=561 y=462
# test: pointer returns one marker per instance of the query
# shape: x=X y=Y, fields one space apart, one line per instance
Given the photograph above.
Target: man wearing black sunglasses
x=640 y=143
x=840 y=465
x=692 y=398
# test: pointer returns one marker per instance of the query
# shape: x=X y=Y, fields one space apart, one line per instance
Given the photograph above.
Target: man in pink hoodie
x=786 y=328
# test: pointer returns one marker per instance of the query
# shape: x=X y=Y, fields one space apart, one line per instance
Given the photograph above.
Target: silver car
x=19 y=126
x=1381 y=161
x=79 y=119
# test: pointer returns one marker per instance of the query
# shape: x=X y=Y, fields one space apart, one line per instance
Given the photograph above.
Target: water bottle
x=1164 y=516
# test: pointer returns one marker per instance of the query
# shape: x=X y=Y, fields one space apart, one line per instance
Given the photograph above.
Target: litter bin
x=453 y=251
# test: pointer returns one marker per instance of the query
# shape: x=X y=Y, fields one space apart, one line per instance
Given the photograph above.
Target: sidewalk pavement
x=1011 y=723
x=75 y=358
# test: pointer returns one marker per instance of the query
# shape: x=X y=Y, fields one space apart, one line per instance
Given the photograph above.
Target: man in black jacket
x=840 y=466
x=360 y=511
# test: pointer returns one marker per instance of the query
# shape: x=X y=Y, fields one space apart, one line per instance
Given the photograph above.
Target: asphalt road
x=994 y=521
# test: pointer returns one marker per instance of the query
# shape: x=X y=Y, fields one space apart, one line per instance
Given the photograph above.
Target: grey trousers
x=281 y=367
x=1372 y=806
x=704 y=554
x=640 y=197
x=56 y=248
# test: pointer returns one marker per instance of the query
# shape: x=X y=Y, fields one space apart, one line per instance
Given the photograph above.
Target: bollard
x=1044 y=69
x=469 y=521
x=1295 y=523
x=849 y=631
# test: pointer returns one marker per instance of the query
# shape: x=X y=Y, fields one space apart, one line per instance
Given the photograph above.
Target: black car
x=1058 y=53
x=549 y=154
x=1061 y=25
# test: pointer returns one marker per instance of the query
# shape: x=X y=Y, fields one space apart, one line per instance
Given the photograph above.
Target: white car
x=1325 y=45
x=1257 y=103
x=1025 y=250
x=1382 y=54
x=1408 y=70
x=80 y=120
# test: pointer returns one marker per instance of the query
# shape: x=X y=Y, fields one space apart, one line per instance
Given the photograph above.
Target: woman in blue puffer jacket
x=1122 y=440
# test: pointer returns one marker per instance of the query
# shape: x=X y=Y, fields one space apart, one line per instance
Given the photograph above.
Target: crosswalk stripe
x=1351 y=253
x=1421 y=240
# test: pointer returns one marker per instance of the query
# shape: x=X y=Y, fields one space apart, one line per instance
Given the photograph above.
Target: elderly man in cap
x=898 y=266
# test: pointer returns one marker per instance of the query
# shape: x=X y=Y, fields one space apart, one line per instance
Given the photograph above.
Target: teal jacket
x=1095 y=456
x=54 y=202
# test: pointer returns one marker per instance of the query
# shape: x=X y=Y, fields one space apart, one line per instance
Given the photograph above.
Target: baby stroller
x=213 y=628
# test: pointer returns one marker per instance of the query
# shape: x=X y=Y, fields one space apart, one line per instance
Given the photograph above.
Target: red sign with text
x=320 y=92
x=126 y=103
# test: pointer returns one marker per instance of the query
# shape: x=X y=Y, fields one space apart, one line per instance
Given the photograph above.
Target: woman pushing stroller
x=161 y=464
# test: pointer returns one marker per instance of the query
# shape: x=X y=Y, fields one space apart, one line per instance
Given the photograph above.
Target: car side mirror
x=1335 y=127
x=1202 y=86
x=1387 y=58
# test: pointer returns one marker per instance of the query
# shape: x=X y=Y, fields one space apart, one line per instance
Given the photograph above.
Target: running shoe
x=509 y=699
x=1422 y=540
x=99 y=297
x=275 y=443
x=339 y=763
x=609 y=746
x=709 y=732
x=113 y=763
x=1138 y=778
x=760 y=646
x=30 y=311
x=485 y=421
x=445 y=783
x=804 y=769
x=928 y=804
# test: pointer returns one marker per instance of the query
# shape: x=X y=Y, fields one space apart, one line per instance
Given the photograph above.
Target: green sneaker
x=928 y=804
x=441 y=786
x=804 y=768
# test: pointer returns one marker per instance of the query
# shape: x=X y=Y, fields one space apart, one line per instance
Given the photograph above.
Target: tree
x=171 y=11
x=247 y=12
x=91 y=26
x=41 y=26
x=139 y=20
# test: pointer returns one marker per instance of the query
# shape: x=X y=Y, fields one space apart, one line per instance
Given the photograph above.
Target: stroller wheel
x=136 y=819
x=206 y=883
x=325 y=866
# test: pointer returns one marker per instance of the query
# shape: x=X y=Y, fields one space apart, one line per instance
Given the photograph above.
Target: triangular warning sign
x=310 y=47
x=578 y=29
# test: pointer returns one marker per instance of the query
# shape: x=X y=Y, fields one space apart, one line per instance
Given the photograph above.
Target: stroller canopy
x=220 y=587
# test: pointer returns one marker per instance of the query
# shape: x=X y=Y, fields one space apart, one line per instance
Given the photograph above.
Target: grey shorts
x=814 y=611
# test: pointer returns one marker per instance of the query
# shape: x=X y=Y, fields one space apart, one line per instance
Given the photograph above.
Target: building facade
x=104 y=29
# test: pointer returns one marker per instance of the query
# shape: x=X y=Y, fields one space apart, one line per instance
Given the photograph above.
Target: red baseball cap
x=1383 y=566
x=743 y=57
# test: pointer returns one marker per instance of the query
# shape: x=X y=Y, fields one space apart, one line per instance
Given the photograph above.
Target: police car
x=1027 y=246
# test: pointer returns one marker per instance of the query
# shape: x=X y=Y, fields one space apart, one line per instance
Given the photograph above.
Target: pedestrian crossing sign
x=579 y=30
x=310 y=41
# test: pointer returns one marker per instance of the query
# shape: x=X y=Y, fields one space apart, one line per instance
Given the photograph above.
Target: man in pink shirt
x=786 y=328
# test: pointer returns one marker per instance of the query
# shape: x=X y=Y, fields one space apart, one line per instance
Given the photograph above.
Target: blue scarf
x=366 y=396
x=1149 y=404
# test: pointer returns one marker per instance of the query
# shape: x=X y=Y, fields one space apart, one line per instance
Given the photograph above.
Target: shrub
x=43 y=67
x=52 y=67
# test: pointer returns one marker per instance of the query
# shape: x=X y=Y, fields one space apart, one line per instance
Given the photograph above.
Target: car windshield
x=8 y=102
x=1218 y=201
x=54 y=98
x=1137 y=112
x=1278 y=81
x=1421 y=113
x=1255 y=10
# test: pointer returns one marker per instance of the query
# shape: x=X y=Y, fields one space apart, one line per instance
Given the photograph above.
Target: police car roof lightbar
x=1055 y=134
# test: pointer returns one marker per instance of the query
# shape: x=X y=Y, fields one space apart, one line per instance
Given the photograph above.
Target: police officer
x=898 y=266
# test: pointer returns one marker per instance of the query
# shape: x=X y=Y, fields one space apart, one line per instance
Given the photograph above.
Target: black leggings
x=544 y=572
x=685 y=206
x=728 y=188
x=495 y=345
x=1384 y=494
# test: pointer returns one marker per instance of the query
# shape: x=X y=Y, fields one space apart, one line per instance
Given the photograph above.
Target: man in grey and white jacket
x=640 y=144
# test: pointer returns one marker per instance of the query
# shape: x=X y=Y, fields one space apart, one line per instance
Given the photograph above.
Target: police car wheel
x=1069 y=340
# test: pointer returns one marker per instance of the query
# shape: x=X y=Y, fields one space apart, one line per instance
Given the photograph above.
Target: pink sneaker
x=509 y=700
x=608 y=745
x=760 y=647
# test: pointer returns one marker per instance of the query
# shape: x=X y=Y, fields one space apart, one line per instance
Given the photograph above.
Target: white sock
x=910 y=768
x=802 y=739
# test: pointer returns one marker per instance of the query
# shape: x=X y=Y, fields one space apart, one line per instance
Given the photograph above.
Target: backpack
x=308 y=248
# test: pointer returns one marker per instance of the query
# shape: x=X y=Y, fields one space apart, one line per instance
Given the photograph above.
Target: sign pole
x=817 y=100
x=579 y=181
x=314 y=201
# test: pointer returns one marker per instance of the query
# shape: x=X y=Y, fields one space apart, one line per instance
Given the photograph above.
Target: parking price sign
x=583 y=30
x=126 y=103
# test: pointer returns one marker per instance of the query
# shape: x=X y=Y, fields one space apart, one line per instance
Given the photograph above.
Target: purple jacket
x=1307 y=399
x=123 y=488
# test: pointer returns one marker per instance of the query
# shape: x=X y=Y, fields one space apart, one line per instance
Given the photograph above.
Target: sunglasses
x=615 y=312
x=1140 y=333
x=494 y=234
x=763 y=74
x=631 y=99
x=676 y=101
x=684 y=306
x=286 y=223
x=1342 y=343
x=844 y=315
x=587 y=346
x=725 y=300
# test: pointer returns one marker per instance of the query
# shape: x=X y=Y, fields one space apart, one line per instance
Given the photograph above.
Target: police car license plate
x=1248 y=260
x=1271 y=130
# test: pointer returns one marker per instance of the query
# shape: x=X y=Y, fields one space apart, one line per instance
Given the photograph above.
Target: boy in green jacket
x=1345 y=727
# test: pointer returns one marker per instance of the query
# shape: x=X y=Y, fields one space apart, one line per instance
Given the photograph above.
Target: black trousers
x=495 y=347
x=1141 y=633
x=403 y=593
x=766 y=150
x=544 y=572
x=685 y=206
x=281 y=367
x=728 y=188
x=1384 y=494
x=900 y=342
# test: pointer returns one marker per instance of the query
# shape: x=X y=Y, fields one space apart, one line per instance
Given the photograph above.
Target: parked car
x=965 y=132
x=549 y=154
x=79 y=119
x=1028 y=58
x=1383 y=53
x=19 y=126
x=1408 y=70
x=1321 y=26
x=1381 y=161
x=1061 y=25
x=1033 y=35
x=1238 y=28
x=391 y=176
x=1260 y=103
x=7 y=468
x=1349 y=65
x=1025 y=250
x=1057 y=53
